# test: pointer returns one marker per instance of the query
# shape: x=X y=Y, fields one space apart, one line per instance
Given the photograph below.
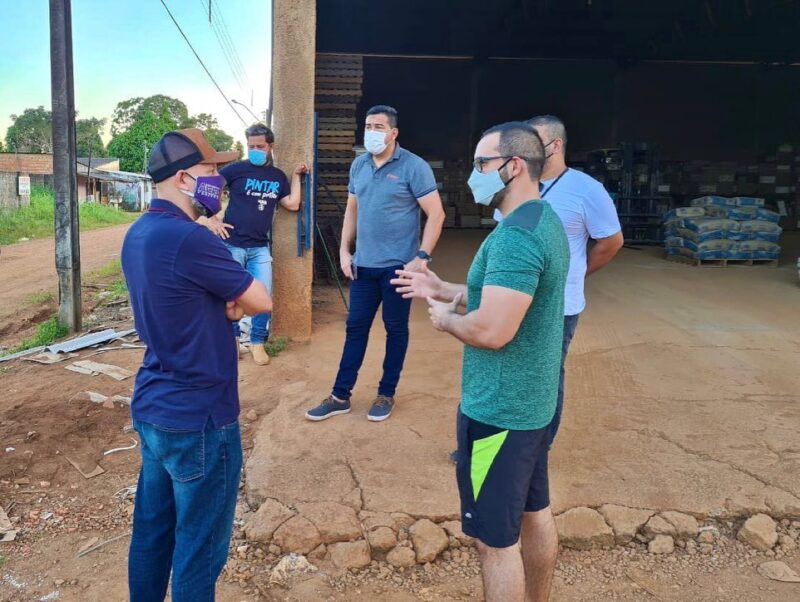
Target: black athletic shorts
x=501 y=474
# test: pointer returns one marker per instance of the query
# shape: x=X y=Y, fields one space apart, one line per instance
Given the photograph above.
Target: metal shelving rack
x=631 y=175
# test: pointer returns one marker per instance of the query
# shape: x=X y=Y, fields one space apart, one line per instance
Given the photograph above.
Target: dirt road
x=29 y=268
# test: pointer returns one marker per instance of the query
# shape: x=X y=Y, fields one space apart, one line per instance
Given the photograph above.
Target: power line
x=231 y=43
x=226 y=50
x=197 y=56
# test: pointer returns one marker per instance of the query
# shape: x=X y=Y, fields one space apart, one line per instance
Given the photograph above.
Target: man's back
x=179 y=276
x=515 y=387
x=587 y=211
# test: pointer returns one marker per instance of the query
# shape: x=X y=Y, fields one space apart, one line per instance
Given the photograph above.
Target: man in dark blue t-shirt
x=256 y=189
x=185 y=290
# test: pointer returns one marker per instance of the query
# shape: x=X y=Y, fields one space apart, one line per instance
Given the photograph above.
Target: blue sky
x=128 y=48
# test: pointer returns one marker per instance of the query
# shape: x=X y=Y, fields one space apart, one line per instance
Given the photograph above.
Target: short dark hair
x=390 y=112
x=551 y=124
x=519 y=139
x=259 y=129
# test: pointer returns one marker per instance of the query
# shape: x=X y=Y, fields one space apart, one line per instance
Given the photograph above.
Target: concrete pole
x=65 y=176
x=294 y=43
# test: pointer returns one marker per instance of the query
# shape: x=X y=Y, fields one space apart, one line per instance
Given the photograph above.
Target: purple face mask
x=208 y=192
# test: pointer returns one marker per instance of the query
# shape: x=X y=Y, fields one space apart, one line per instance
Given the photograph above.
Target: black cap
x=183 y=149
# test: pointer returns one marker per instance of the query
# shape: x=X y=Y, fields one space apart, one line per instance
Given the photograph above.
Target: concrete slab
x=681 y=395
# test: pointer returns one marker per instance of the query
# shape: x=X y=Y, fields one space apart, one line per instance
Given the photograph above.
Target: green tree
x=220 y=140
x=130 y=111
x=2 y=148
x=132 y=145
x=87 y=133
x=239 y=148
x=31 y=132
x=204 y=121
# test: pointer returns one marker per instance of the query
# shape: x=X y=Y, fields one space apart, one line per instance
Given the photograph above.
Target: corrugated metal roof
x=117 y=176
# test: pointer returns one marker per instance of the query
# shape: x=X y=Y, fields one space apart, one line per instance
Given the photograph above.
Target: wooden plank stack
x=338 y=82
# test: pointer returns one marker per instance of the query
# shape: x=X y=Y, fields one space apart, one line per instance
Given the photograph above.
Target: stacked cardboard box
x=775 y=177
x=460 y=208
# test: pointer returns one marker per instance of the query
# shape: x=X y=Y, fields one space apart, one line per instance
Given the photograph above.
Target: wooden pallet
x=720 y=263
x=339 y=82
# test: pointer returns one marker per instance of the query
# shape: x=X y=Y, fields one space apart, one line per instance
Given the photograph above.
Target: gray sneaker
x=327 y=409
x=381 y=408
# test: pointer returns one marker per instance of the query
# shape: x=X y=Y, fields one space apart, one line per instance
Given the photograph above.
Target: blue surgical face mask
x=485 y=186
x=257 y=157
x=375 y=141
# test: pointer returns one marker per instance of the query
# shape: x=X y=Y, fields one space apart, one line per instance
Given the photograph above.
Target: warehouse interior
x=664 y=101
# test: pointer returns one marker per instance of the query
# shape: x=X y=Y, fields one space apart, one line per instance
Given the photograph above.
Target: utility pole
x=65 y=169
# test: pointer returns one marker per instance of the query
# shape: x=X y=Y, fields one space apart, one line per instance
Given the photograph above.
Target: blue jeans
x=368 y=291
x=183 y=517
x=570 y=325
x=258 y=263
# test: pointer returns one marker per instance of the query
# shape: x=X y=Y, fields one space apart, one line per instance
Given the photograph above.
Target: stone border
x=352 y=540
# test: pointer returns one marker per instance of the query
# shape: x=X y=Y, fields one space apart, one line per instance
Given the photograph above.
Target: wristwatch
x=424 y=255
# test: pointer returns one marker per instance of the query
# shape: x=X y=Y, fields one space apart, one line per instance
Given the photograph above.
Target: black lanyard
x=549 y=188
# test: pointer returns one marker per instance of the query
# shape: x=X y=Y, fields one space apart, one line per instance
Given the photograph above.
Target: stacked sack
x=717 y=227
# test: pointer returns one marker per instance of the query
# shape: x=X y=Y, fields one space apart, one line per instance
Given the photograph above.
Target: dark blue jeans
x=570 y=325
x=368 y=291
x=183 y=517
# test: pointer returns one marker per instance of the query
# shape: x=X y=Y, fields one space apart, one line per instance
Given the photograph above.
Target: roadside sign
x=24 y=186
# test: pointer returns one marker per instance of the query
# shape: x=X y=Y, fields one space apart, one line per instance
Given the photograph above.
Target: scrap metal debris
x=83 y=342
x=91 y=549
x=95 y=397
x=20 y=354
x=90 y=367
x=7 y=530
x=87 y=467
x=119 y=449
x=89 y=340
x=48 y=357
x=126 y=493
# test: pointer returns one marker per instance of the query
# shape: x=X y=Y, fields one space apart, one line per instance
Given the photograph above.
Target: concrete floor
x=681 y=394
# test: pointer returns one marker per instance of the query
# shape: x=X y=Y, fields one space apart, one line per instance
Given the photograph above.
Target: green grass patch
x=38 y=219
x=276 y=345
x=107 y=271
x=39 y=298
x=46 y=333
x=117 y=290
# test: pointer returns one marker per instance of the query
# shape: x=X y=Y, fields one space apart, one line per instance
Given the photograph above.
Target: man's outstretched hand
x=441 y=312
x=420 y=285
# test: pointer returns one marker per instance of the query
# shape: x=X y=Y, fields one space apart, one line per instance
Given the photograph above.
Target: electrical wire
x=231 y=44
x=197 y=56
x=230 y=59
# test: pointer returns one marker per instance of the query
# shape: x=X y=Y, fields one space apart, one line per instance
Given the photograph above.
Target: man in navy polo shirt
x=185 y=290
x=388 y=187
x=257 y=189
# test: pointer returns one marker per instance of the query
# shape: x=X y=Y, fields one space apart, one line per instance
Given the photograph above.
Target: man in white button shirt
x=587 y=212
